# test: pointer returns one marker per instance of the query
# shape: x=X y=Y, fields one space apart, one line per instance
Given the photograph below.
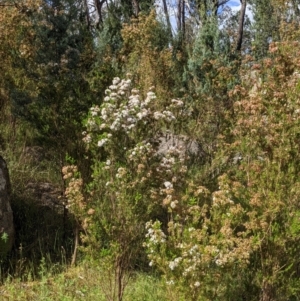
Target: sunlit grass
x=80 y=283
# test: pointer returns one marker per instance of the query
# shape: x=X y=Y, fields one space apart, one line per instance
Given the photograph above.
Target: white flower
x=113 y=87
x=172 y=265
x=142 y=114
x=173 y=204
x=108 y=162
x=87 y=138
x=116 y=80
x=171 y=282
x=168 y=185
x=176 y=102
x=197 y=284
x=134 y=101
x=103 y=111
x=219 y=262
x=91 y=122
x=130 y=120
x=113 y=95
x=135 y=91
x=102 y=142
x=158 y=115
x=151 y=94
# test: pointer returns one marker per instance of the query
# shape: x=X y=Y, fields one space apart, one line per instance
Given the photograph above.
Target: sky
x=235 y=5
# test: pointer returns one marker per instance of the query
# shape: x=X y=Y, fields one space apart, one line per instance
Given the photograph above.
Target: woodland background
x=91 y=92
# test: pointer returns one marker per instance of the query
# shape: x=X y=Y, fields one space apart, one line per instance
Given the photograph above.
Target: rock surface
x=7 y=232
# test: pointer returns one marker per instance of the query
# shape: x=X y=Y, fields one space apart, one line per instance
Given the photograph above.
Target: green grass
x=80 y=283
x=37 y=268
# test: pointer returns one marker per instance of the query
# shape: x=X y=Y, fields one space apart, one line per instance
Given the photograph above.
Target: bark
x=76 y=242
x=86 y=7
x=98 y=6
x=267 y=293
x=179 y=15
x=241 y=25
x=136 y=7
x=167 y=17
x=183 y=19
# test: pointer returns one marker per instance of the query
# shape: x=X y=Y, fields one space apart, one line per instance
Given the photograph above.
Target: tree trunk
x=179 y=15
x=267 y=292
x=167 y=17
x=76 y=234
x=98 y=6
x=241 y=25
x=136 y=7
x=183 y=20
x=86 y=7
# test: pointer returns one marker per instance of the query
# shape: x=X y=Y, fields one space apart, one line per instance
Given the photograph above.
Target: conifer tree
x=266 y=26
x=51 y=91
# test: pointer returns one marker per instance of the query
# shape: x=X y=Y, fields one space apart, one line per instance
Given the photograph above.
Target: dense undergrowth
x=147 y=164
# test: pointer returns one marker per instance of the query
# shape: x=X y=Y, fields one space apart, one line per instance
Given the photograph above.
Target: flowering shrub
x=209 y=245
x=248 y=229
x=134 y=182
x=263 y=169
x=201 y=241
x=131 y=178
x=123 y=111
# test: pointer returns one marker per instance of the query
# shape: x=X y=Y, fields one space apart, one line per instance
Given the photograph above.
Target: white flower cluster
x=122 y=110
x=192 y=259
x=175 y=263
x=102 y=142
x=155 y=237
x=221 y=199
x=177 y=103
x=141 y=149
x=87 y=138
x=170 y=282
x=119 y=112
x=172 y=169
x=94 y=110
x=164 y=115
x=121 y=172
x=154 y=233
